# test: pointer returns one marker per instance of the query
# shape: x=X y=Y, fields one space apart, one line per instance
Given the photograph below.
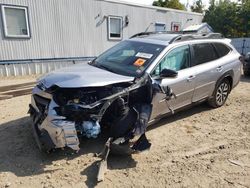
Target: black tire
x=123 y=125
x=220 y=94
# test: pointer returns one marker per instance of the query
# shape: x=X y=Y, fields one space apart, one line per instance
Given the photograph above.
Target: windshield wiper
x=96 y=64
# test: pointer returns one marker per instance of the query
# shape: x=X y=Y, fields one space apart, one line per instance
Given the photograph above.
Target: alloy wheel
x=222 y=93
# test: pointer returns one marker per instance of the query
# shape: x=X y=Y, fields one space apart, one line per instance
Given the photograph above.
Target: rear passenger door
x=207 y=68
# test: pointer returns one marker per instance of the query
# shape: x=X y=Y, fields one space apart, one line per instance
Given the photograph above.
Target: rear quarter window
x=221 y=49
x=203 y=53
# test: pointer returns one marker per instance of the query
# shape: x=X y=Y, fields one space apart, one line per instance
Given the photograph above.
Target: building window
x=15 y=21
x=160 y=27
x=114 y=28
x=175 y=26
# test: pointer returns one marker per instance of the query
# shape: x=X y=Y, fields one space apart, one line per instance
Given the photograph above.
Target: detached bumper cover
x=62 y=132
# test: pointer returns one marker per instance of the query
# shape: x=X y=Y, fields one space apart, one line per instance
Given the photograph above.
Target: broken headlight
x=41 y=85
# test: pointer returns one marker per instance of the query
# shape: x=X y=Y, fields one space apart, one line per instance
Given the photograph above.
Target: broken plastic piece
x=144 y=111
x=103 y=166
x=142 y=144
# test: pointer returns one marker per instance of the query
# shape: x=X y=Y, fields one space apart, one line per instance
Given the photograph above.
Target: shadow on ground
x=114 y=162
x=184 y=113
x=19 y=154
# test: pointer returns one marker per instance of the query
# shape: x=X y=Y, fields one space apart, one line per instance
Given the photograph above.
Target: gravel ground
x=199 y=147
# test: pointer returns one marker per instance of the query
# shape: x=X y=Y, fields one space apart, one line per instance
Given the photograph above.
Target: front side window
x=177 y=59
x=129 y=58
x=15 y=21
x=114 y=28
x=204 y=53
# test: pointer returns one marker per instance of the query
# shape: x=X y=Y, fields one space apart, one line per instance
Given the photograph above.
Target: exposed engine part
x=83 y=96
x=91 y=129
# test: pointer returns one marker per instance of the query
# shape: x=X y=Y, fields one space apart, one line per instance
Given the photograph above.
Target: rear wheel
x=220 y=94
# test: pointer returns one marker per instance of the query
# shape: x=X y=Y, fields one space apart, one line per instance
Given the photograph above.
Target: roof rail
x=156 y=32
x=185 y=37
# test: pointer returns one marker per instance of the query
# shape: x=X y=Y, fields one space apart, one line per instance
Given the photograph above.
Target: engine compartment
x=121 y=112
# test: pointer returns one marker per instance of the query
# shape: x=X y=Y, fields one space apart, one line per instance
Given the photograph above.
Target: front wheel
x=220 y=94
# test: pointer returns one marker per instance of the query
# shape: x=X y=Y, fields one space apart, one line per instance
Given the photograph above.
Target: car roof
x=166 y=38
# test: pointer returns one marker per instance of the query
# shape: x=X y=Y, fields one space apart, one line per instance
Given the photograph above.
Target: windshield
x=128 y=58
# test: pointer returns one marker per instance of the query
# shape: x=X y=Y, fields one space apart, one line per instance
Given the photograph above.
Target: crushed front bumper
x=49 y=118
x=46 y=123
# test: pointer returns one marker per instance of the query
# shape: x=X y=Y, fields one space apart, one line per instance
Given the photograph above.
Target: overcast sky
x=149 y=2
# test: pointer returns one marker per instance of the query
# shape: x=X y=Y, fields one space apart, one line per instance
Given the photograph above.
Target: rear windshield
x=130 y=58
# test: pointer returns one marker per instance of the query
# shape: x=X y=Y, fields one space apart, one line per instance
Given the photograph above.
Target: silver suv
x=130 y=86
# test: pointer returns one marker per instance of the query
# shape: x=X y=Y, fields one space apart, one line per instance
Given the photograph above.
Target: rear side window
x=204 y=53
x=221 y=49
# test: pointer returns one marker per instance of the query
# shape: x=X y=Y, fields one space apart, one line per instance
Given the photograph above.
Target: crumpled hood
x=82 y=75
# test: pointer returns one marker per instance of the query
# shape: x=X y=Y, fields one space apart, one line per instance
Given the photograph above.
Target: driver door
x=183 y=85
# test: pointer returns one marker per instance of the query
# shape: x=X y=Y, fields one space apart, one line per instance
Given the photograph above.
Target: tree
x=245 y=17
x=174 y=4
x=229 y=18
x=159 y=3
x=197 y=6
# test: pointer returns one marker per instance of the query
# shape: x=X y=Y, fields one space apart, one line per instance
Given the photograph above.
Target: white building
x=34 y=30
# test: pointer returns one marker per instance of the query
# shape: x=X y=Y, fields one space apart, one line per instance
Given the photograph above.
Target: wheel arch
x=227 y=75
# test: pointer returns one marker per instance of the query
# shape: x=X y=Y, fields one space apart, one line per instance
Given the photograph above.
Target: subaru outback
x=130 y=86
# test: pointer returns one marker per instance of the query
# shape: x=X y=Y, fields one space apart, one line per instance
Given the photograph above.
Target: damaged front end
x=61 y=116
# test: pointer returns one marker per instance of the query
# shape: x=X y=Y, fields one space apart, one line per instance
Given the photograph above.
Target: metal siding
x=36 y=67
x=238 y=44
x=68 y=28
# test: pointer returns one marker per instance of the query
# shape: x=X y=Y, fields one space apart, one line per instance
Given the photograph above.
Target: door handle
x=219 y=69
x=190 y=78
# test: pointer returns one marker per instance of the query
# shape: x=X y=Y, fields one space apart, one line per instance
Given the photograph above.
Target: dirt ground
x=12 y=80
x=199 y=147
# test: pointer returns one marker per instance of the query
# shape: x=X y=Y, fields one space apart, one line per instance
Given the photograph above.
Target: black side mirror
x=168 y=73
